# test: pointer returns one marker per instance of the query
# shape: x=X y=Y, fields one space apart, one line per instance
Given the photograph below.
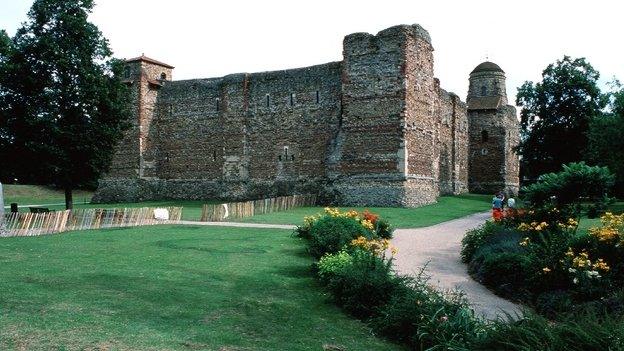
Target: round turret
x=487 y=86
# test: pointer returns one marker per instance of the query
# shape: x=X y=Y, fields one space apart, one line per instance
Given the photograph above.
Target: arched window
x=483 y=91
x=163 y=76
x=484 y=136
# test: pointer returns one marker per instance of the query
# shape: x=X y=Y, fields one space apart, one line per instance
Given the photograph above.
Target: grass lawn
x=447 y=208
x=168 y=288
x=586 y=223
x=39 y=194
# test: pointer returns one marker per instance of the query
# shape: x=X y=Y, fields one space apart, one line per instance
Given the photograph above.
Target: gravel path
x=438 y=247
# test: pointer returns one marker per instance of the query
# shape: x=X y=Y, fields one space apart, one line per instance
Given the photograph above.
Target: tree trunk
x=69 y=201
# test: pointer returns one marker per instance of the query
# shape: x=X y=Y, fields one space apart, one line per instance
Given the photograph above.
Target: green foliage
x=578 y=332
x=606 y=139
x=475 y=238
x=332 y=264
x=424 y=319
x=577 y=181
x=555 y=115
x=62 y=103
x=383 y=229
x=365 y=285
x=330 y=234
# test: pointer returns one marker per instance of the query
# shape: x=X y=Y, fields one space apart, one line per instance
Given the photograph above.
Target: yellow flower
x=601 y=265
x=525 y=241
x=546 y=269
x=367 y=224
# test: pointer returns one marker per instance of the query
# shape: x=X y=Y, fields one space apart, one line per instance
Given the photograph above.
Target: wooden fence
x=237 y=210
x=34 y=224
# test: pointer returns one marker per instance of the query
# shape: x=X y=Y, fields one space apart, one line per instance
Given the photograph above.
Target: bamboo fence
x=35 y=224
x=237 y=210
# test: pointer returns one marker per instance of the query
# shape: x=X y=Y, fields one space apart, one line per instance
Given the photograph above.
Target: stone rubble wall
x=375 y=129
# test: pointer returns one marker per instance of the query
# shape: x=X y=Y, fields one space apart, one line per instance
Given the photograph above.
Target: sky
x=213 y=38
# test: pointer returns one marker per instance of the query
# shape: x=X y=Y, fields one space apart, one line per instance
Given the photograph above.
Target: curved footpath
x=438 y=248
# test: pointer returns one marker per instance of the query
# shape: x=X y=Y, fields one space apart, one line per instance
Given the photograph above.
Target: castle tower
x=145 y=76
x=494 y=132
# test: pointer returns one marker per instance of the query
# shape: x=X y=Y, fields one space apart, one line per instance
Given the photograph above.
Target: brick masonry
x=373 y=129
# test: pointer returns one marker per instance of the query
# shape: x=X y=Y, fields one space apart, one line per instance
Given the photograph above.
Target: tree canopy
x=555 y=115
x=62 y=102
x=606 y=138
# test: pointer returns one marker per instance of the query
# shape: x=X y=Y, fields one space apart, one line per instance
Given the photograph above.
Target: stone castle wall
x=373 y=129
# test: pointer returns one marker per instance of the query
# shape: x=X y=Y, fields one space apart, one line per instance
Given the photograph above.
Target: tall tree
x=606 y=138
x=555 y=115
x=65 y=105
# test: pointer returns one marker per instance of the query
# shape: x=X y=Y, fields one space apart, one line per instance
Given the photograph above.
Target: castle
x=374 y=129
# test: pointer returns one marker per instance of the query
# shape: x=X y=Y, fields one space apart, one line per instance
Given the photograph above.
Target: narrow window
x=268 y=100
x=484 y=136
x=163 y=76
x=217 y=103
x=318 y=96
x=292 y=99
x=214 y=155
x=279 y=157
x=286 y=152
x=292 y=157
x=483 y=90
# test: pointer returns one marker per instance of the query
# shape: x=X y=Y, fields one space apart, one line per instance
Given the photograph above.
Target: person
x=497 y=207
x=511 y=207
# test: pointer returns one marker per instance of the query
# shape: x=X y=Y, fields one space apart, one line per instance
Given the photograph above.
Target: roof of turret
x=149 y=60
x=487 y=66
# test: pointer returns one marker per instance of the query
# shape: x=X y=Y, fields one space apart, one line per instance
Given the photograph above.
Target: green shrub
x=580 y=332
x=551 y=303
x=577 y=181
x=366 y=284
x=330 y=234
x=423 y=318
x=507 y=273
x=475 y=238
x=332 y=264
x=383 y=229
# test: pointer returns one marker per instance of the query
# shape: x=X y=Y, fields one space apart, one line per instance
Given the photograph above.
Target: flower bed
x=538 y=257
x=355 y=265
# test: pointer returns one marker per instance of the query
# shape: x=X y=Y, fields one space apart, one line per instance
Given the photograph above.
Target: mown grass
x=168 y=288
x=39 y=194
x=447 y=208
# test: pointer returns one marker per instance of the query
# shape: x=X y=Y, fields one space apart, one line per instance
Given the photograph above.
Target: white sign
x=161 y=214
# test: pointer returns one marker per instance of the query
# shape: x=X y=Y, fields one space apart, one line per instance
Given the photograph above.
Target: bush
x=475 y=238
x=579 y=332
x=423 y=318
x=332 y=264
x=508 y=273
x=365 y=285
x=575 y=182
x=383 y=228
x=331 y=234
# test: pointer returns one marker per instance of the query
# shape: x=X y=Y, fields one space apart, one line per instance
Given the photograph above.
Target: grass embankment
x=447 y=208
x=168 y=288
